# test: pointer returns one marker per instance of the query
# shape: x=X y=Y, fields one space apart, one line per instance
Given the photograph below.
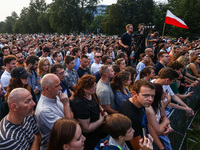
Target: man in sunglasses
x=96 y=65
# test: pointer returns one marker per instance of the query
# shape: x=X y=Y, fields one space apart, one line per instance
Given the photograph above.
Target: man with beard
x=140 y=39
x=126 y=39
x=10 y=63
x=20 y=60
x=33 y=79
x=104 y=91
x=5 y=51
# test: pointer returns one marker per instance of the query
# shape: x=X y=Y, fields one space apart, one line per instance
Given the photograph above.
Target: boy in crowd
x=83 y=69
x=71 y=77
x=119 y=128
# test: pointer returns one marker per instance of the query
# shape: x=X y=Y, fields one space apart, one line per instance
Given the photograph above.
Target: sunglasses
x=98 y=56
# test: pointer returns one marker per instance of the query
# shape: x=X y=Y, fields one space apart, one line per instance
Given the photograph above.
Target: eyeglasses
x=98 y=56
x=62 y=73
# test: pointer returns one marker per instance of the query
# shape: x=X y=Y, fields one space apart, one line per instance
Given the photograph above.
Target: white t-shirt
x=5 y=79
x=166 y=89
x=95 y=67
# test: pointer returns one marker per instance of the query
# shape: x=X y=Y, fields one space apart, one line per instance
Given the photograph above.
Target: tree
x=127 y=12
x=9 y=21
x=189 y=12
x=71 y=15
x=96 y=25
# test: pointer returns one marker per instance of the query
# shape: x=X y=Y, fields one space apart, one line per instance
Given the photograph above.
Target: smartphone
x=144 y=132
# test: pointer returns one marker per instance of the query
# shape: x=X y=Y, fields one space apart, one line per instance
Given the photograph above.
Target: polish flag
x=175 y=21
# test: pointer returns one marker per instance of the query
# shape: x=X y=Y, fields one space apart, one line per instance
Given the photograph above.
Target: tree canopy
x=63 y=16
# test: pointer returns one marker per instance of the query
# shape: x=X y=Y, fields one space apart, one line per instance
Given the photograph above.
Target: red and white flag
x=175 y=21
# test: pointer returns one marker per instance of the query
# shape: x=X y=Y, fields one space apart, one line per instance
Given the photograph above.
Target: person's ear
x=14 y=107
x=46 y=88
x=134 y=93
x=120 y=138
x=85 y=90
x=30 y=65
x=65 y=147
x=167 y=79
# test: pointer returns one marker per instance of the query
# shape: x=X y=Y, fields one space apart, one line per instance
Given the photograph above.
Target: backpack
x=104 y=145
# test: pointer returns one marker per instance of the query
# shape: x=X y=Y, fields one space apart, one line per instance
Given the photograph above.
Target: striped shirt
x=17 y=137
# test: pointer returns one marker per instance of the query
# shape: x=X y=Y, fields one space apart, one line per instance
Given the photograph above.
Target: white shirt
x=166 y=89
x=5 y=79
x=95 y=68
x=46 y=113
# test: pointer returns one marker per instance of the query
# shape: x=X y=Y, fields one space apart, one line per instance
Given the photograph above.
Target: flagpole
x=163 y=30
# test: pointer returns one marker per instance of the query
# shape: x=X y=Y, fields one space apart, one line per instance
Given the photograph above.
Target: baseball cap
x=20 y=72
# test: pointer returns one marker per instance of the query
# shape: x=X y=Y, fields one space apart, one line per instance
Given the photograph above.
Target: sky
x=8 y=6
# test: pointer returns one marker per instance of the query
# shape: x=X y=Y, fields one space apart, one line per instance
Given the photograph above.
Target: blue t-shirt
x=120 y=97
x=77 y=63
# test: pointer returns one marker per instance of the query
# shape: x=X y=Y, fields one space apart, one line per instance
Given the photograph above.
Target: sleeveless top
x=189 y=71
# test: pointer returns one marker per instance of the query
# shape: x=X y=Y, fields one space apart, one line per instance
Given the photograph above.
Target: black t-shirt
x=85 y=109
x=126 y=40
x=134 y=114
x=1 y=62
x=88 y=109
x=158 y=67
x=82 y=72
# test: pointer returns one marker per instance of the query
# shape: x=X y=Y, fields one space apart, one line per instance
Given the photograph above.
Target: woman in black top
x=87 y=110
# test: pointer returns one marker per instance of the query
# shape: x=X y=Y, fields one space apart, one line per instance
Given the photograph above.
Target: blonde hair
x=41 y=64
x=118 y=61
x=183 y=60
x=128 y=25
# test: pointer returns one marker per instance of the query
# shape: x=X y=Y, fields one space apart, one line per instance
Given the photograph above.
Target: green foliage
x=125 y=12
x=96 y=24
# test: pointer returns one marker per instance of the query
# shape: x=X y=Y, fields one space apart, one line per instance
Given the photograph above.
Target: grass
x=192 y=141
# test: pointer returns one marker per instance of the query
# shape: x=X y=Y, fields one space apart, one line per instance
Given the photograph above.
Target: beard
x=32 y=68
x=21 y=61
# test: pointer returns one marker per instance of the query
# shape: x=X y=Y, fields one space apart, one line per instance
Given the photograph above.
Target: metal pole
x=163 y=30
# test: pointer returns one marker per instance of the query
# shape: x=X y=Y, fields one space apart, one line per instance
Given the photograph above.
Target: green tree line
x=66 y=16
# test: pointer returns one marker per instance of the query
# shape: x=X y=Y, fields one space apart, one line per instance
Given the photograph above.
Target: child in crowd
x=119 y=128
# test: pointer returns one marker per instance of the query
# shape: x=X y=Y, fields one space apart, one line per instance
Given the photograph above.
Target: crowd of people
x=93 y=91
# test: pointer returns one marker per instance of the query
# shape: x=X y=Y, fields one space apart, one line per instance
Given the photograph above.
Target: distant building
x=100 y=10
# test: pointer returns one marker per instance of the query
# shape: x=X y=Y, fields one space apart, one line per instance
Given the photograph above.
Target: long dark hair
x=118 y=80
x=157 y=99
x=16 y=83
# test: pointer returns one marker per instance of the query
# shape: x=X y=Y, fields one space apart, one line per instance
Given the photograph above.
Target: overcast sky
x=8 y=6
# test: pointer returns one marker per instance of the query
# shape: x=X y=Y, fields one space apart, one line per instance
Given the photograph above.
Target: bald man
x=18 y=128
x=53 y=104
